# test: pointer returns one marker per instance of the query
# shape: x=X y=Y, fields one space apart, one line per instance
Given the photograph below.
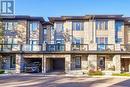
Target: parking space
x=61 y=81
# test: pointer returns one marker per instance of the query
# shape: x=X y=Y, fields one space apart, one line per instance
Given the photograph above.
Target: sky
x=51 y=8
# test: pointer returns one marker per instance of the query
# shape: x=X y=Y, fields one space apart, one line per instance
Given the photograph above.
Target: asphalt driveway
x=61 y=81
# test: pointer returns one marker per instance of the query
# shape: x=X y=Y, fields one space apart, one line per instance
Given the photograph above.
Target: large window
x=118 y=28
x=78 y=26
x=10 y=25
x=101 y=24
x=12 y=62
x=10 y=41
x=59 y=27
x=101 y=41
x=10 y=28
x=34 y=32
x=78 y=62
x=118 y=25
x=34 y=26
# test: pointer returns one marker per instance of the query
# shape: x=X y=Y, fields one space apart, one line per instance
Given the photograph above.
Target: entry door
x=78 y=62
x=125 y=62
x=101 y=63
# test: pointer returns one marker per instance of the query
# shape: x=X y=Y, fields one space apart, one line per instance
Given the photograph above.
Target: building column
x=117 y=63
x=44 y=65
x=67 y=46
x=92 y=62
x=67 y=63
x=18 y=63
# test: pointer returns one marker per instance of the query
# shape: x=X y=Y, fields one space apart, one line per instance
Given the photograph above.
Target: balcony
x=125 y=47
x=55 y=47
x=79 y=47
x=105 y=47
x=70 y=48
x=32 y=48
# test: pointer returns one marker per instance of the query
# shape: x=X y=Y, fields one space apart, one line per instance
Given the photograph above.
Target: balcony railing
x=79 y=47
x=105 y=47
x=63 y=47
x=10 y=47
x=32 y=47
x=125 y=47
x=55 y=47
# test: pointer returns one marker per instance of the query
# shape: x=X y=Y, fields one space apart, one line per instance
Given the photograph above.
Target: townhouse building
x=67 y=43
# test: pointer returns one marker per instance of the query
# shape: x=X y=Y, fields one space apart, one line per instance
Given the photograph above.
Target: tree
x=67 y=36
x=1 y=31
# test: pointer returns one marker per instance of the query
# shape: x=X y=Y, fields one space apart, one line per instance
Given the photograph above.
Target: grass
x=2 y=71
x=95 y=73
x=121 y=74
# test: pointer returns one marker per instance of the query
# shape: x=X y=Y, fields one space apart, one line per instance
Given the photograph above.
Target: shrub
x=92 y=72
x=2 y=71
x=121 y=74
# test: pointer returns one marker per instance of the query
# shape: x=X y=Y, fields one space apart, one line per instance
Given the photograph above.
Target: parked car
x=32 y=68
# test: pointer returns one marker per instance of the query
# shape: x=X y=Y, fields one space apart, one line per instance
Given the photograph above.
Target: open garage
x=55 y=64
x=33 y=65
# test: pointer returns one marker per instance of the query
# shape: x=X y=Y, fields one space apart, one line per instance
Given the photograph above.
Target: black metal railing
x=32 y=47
x=55 y=47
x=61 y=47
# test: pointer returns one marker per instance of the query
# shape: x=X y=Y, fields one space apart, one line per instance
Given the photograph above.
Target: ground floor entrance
x=125 y=64
x=44 y=63
x=55 y=64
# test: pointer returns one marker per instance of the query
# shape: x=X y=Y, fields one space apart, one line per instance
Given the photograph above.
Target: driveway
x=61 y=81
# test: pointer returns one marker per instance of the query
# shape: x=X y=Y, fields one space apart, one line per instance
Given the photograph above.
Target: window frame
x=101 y=24
x=77 y=25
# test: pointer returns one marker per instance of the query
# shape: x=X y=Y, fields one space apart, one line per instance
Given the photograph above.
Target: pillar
x=68 y=46
x=92 y=62
x=117 y=63
x=67 y=63
x=44 y=64
x=18 y=63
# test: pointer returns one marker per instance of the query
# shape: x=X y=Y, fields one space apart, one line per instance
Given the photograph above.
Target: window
x=10 y=41
x=34 y=30
x=58 y=36
x=101 y=24
x=34 y=26
x=118 y=40
x=12 y=62
x=33 y=41
x=59 y=27
x=78 y=62
x=45 y=31
x=118 y=26
x=61 y=41
x=10 y=25
x=77 y=26
x=77 y=41
x=101 y=40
